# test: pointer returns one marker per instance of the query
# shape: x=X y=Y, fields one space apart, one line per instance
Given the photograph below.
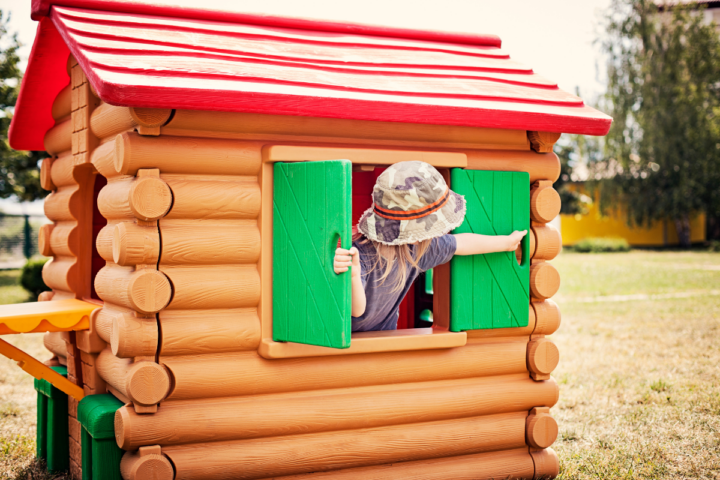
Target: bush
x=31 y=276
x=597 y=245
x=714 y=246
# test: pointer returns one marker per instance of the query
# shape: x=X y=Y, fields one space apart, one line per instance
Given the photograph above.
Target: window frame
x=437 y=337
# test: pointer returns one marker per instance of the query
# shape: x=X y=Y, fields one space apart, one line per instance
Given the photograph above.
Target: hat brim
x=417 y=231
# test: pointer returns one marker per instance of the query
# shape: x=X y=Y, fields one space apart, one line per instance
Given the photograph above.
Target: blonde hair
x=387 y=255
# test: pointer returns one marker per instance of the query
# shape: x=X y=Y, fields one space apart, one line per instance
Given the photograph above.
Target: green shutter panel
x=311 y=209
x=491 y=290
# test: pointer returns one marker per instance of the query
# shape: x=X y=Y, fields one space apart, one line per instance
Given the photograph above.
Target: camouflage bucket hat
x=411 y=203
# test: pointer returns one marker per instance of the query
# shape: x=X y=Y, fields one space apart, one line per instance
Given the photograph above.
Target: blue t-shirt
x=382 y=307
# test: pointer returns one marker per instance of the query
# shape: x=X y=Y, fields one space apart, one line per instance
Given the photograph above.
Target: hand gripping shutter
x=491 y=290
x=311 y=209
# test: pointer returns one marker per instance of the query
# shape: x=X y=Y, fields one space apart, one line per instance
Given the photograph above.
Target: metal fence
x=18 y=238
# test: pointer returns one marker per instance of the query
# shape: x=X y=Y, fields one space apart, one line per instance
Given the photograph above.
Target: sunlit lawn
x=639 y=376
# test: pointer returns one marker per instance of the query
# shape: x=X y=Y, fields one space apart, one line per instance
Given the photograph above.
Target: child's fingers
x=341 y=270
x=342 y=251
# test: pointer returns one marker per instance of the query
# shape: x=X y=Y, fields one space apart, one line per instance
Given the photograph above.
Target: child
x=405 y=233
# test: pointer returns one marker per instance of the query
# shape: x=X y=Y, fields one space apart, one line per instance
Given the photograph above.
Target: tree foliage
x=662 y=157
x=19 y=172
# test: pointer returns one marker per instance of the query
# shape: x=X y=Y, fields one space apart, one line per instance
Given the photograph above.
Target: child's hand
x=347 y=258
x=514 y=240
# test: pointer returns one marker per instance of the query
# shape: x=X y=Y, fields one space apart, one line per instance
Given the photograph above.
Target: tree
x=662 y=154
x=19 y=172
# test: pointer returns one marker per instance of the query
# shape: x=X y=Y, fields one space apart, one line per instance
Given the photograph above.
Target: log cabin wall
x=226 y=412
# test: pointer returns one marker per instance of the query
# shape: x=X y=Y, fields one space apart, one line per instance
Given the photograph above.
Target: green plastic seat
x=52 y=424
x=100 y=453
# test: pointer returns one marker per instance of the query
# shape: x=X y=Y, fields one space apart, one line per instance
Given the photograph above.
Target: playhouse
x=204 y=166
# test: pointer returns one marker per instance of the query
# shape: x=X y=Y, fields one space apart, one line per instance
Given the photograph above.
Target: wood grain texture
x=372 y=156
x=62 y=204
x=45 y=174
x=545 y=166
x=548 y=317
x=326 y=130
x=144 y=290
x=63 y=239
x=61 y=107
x=220 y=286
x=254 y=459
x=197 y=199
x=543 y=142
x=59 y=138
x=133 y=466
x=542 y=429
x=145 y=383
x=186 y=155
x=133 y=336
x=544 y=202
x=60 y=273
x=133 y=244
x=149 y=198
x=260 y=416
x=230 y=374
x=197 y=332
x=186 y=244
x=104 y=240
x=61 y=171
x=144 y=198
x=548 y=242
x=103 y=158
x=109 y=120
x=101 y=321
x=544 y=280
x=507 y=465
x=546 y=463
x=44 y=246
x=54 y=342
x=543 y=356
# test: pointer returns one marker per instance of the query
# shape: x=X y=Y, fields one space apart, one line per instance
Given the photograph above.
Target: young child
x=405 y=233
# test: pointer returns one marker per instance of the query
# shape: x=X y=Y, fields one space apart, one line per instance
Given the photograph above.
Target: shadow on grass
x=37 y=470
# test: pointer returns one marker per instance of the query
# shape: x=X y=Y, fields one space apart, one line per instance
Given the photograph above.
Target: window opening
x=98 y=222
x=363 y=181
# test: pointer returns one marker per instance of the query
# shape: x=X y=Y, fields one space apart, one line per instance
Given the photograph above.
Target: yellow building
x=593 y=224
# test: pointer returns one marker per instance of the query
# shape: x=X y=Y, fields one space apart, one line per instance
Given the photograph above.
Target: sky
x=554 y=37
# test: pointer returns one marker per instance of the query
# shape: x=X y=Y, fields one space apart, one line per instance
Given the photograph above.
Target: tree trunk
x=682 y=225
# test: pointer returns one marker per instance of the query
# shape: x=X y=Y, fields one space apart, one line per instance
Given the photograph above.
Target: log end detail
x=147 y=383
x=151 y=117
x=149 y=291
x=544 y=204
x=541 y=428
x=544 y=280
x=150 y=198
x=143 y=465
x=546 y=463
x=543 y=356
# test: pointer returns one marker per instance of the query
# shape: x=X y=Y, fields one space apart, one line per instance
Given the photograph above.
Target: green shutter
x=311 y=209
x=491 y=290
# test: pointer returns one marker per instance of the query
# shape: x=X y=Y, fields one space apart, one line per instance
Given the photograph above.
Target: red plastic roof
x=152 y=55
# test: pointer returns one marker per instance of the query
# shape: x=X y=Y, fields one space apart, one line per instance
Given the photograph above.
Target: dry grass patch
x=18 y=399
x=640 y=380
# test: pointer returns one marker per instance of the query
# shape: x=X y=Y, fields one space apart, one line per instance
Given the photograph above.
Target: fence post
x=27 y=246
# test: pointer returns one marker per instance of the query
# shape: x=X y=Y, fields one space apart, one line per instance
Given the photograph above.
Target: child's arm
x=351 y=258
x=476 y=244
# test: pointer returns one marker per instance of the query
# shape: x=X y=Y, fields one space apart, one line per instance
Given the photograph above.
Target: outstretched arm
x=476 y=244
x=351 y=258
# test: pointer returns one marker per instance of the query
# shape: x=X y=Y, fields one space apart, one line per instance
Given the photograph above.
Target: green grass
x=18 y=397
x=639 y=380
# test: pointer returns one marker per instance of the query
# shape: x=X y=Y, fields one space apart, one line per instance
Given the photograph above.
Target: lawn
x=640 y=366
x=639 y=371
